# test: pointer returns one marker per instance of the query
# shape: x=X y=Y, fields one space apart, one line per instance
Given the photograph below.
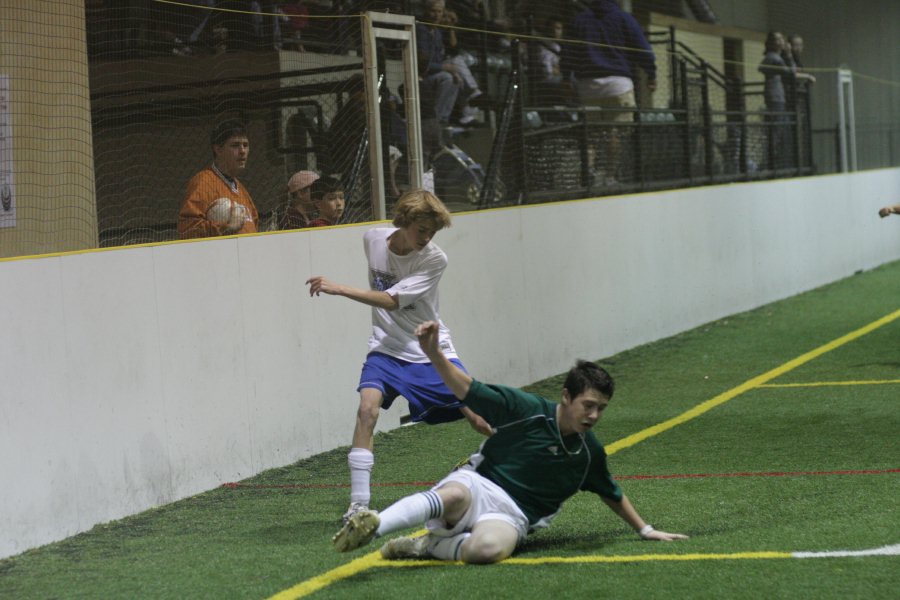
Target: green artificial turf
x=769 y=457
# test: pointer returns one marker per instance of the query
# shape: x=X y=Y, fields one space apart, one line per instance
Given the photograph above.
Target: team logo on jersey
x=554 y=450
x=381 y=280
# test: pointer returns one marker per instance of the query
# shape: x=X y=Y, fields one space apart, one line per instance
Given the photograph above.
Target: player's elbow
x=389 y=302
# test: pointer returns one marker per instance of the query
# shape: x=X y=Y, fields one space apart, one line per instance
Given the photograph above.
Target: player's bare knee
x=485 y=549
x=369 y=408
x=456 y=499
x=367 y=412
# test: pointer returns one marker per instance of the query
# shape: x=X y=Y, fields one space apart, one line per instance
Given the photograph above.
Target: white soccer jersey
x=413 y=280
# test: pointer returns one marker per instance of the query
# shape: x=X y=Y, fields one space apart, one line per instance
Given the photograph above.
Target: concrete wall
x=137 y=376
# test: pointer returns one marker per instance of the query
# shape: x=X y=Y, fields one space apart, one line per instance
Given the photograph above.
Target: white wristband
x=645 y=531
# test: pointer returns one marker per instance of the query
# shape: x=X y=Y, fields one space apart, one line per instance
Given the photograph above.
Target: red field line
x=763 y=474
x=297 y=486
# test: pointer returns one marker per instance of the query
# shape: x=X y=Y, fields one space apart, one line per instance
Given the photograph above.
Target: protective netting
x=107 y=108
x=291 y=76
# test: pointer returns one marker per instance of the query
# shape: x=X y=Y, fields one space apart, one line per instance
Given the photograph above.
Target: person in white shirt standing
x=405 y=267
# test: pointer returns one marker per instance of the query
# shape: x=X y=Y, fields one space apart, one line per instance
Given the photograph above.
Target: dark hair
x=325 y=185
x=587 y=375
x=355 y=84
x=549 y=22
x=225 y=130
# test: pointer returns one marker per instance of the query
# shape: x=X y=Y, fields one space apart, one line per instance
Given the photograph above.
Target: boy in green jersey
x=541 y=454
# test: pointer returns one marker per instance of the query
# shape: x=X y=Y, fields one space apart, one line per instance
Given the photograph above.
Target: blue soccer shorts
x=430 y=400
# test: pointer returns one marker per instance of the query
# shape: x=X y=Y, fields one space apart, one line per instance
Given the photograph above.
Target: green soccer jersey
x=529 y=458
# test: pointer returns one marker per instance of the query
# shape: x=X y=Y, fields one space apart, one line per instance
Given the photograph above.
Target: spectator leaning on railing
x=775 y=92
x=795 y=50
x=775 y=69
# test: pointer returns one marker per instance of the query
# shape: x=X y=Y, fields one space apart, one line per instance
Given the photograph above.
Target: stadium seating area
x=702 y=126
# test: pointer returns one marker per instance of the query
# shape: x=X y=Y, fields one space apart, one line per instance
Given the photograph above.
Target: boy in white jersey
x=541 y=453
x=405 y=267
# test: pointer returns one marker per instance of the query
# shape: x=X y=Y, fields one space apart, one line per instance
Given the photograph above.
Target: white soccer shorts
x=489 y=502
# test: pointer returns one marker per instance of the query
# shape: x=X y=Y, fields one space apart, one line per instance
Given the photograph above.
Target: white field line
x=893 y=550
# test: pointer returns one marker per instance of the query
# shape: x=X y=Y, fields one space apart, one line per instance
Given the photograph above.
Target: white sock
x=361 y=462
x=448 y=548
x=411 y=510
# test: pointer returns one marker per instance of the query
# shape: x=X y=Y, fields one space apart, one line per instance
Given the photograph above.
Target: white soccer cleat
x=355 y=507
x=358 y=531
x=406 y=547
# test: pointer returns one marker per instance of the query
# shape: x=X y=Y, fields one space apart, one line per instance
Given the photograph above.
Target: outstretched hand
x=321 y=285
x=428 y=334
x=456 y=379
x=662 y=536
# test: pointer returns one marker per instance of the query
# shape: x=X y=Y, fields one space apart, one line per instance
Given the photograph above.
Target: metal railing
x=543 y=153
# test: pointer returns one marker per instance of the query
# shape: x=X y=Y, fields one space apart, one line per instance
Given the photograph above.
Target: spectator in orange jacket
x=215 y=202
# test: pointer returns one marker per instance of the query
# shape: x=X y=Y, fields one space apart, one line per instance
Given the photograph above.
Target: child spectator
x=328 y=197
x=300 y=208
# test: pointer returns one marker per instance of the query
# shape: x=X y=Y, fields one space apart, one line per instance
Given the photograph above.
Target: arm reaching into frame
x=457 y=380
x=323 y=285
x=889 y=210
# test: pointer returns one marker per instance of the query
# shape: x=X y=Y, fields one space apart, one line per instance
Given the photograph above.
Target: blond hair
x=421 y=205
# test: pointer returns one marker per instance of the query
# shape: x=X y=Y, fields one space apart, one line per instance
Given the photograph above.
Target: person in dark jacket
x=603 y=66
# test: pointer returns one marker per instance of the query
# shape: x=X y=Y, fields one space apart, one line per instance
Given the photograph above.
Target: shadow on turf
x=290 y=533
x=560 y=541
x=889 y=364
x=594 y=543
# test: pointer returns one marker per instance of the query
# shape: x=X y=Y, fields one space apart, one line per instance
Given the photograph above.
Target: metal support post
x=846 y=120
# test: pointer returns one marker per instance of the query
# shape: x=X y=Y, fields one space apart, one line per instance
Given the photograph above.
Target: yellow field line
x=354 y=567
x=374 y=559
x=757 y=381
x=829 y=383
x=595 y=558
